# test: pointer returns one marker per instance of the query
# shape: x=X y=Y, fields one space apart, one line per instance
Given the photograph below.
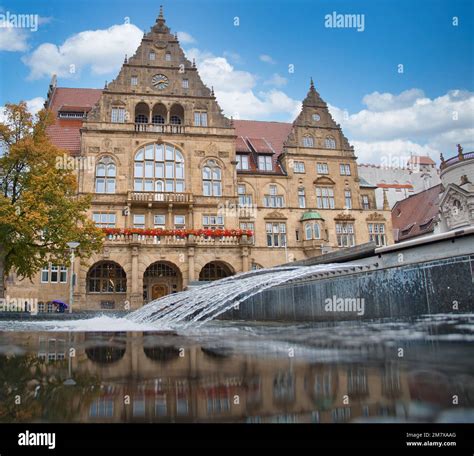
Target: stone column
x=245 y=258
x=191 y=276
x=190 y=222
x=169 y=219
x=136 y=294
x=149 y=222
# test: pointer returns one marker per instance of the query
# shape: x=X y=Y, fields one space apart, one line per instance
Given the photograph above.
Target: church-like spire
x=313 y=98
x=160 y=16
x=160 y=26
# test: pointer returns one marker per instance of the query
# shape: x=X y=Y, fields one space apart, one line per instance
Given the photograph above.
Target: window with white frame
x=273 y=199
x=330 y=142
x=345 y=169
x=242 y=162
x=276 y=234
x=308 y=141
x=347 y=199
x=245 y=199
x=105 y=175
x=213 y=222
x=104 y=219
x=168 y=56
x=365 y=202
x=134 y=81
x=322 y=168
x=250 y=226
x=345 y=234
x=185 y=83
x=312 y=230
x=54 y=274
x=159 y=168
x=200 y=119
x=151 y=55
x=139 y=221
x=377 y=234
x=298 y=167
x=325 y=198
x=179 y=222
x=265 y=163
x=159 y=221
x=301 y=198
x=212 y=179
x=118 y=115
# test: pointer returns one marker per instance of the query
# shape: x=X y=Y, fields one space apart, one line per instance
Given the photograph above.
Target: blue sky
x=355 y=72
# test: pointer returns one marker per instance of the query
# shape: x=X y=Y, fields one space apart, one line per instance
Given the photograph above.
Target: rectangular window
x=245 y=200
x=249 y=226
x=242 y=162
x=377 y=234
x=276 y=234
x=322 y=168
x=325 y=198
x=185 y=84
x=298 y=167
x=365 y=202
x=301 y=198
x=139 y=221
x=134 y=81
x=345 y=234
x=348 y=199
x=151 y=56
x=118 y=115
x=45 y=274
x=200 y=119
x=159 y=221
x=54 y=274
x=213 y=222
x=345 y=170
x=168 y=57
x=265 y=163
x=104 y=219
x=179 y=222
x=63 y=274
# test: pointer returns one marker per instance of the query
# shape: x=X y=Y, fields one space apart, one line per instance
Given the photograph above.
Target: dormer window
x=242 y=162
x=168 y=56
x=265 y=163
x=308 y=141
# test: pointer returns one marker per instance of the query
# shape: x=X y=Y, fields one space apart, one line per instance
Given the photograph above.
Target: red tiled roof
x=65 y=133
x=241 y=145
x=421 y=160
x=414 y=215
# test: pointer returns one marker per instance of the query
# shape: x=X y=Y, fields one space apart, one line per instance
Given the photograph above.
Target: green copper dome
x=311 y=215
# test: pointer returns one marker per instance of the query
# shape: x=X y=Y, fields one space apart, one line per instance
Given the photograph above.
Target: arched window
x=158 y=116
x=106 y=277
x=211 y=179
x=176 y=115
x=214 y=271
x=105 y=174
x=159 y=168
x=330 y=142
x=308 y=141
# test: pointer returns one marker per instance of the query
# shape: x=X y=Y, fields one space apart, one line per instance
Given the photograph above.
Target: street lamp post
x=72 y=247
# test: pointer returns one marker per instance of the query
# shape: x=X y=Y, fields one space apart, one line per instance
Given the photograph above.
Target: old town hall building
x=165 y=163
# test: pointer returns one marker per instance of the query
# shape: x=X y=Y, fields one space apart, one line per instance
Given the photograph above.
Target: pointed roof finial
x=161 y=12
x=312 y=84
x=105 y=86
x=212 y=91
x=125 y=60
x=194 y=63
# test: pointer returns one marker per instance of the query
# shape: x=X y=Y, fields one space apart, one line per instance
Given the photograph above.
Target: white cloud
x=13 y=39
x=101 y=50
x=186 y=38
x=233 y=56
x=276 y=80
x=267 y=59
x=410 y=122
x=235 y=90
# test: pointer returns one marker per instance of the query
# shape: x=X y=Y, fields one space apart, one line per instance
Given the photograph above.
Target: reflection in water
x=151 y=377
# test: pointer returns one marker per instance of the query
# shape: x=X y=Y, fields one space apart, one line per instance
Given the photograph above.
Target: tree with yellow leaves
x=40 y=209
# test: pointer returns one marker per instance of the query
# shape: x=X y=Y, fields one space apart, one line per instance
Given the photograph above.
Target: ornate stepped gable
x=151 y=72
x=314 y=105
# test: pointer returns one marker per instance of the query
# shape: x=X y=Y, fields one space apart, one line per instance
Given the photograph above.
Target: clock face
x=316 y=117
x=160 y=81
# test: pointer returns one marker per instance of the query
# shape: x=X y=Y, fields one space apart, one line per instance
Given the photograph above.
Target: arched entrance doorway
x=215 y=270
x=160 y=279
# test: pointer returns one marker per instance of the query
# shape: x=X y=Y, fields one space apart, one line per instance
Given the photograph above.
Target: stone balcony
x=160 y=198
x=313 y=245
x=175 y=241
x=161 y=128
